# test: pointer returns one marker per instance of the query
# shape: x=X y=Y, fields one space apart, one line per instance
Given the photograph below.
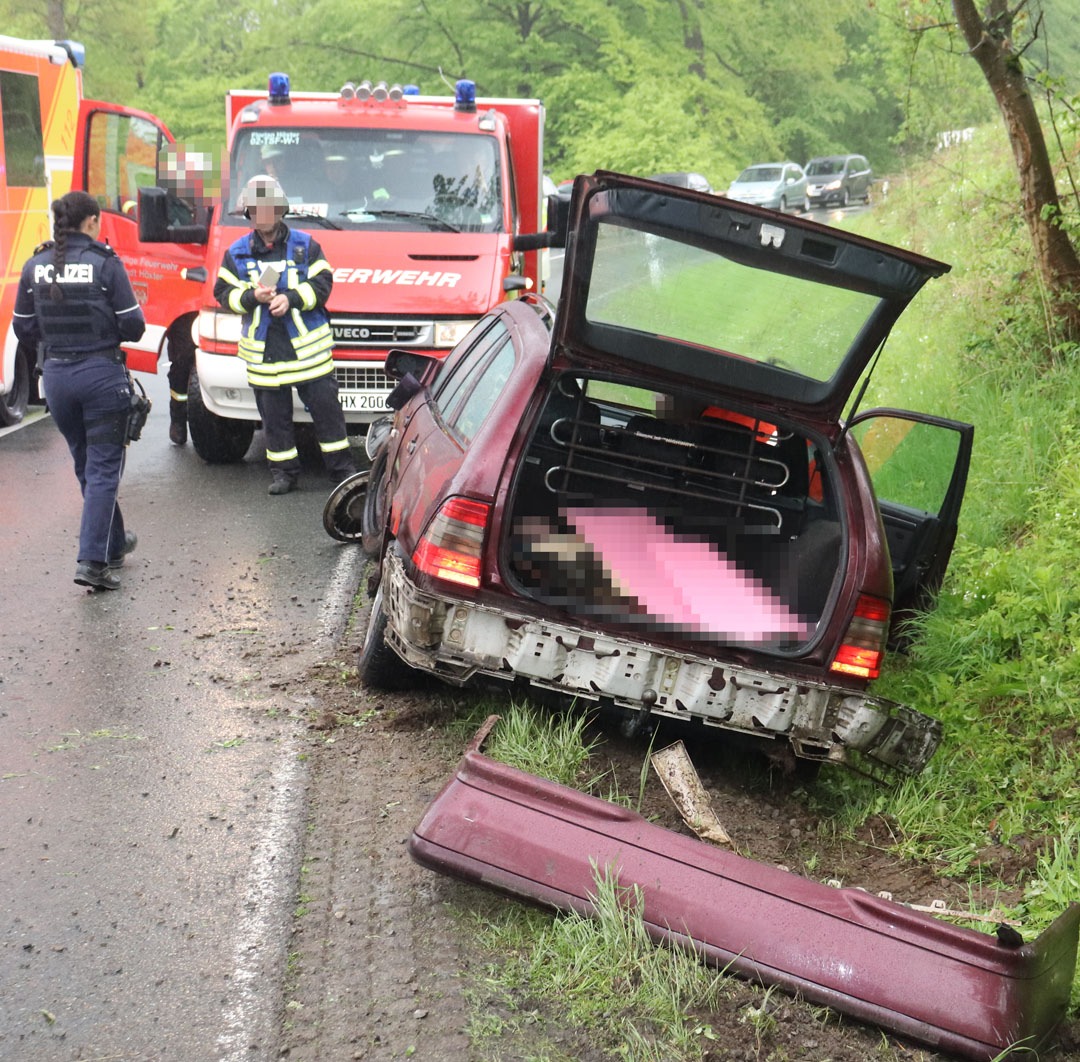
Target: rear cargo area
x=659 y=511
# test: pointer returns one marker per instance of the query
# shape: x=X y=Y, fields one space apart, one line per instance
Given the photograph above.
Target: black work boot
x=283 y=482
x=177 y=422
x=96 y=575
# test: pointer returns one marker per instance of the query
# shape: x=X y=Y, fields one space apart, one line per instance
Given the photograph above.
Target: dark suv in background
x=838 y=179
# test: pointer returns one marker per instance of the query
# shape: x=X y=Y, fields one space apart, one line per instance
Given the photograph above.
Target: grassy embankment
x=996 y=661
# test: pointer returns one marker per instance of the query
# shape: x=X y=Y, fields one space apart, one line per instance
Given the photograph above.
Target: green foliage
x=923 y=67
x=643 y=88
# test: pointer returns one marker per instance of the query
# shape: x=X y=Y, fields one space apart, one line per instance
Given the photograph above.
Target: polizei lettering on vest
x=407 y=277
x=74 y=273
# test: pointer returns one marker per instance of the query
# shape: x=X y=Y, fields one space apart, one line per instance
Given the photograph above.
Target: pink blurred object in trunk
x=681 y=580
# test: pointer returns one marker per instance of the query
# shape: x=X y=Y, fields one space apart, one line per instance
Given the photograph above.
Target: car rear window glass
x=760 y=173
x=648 y=283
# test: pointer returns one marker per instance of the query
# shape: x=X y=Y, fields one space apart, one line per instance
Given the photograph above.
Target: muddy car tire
x=380 y=668
x=373 y=518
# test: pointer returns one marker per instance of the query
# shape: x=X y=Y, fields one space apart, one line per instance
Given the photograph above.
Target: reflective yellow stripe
x=307 y=296
x=286 y=373
x=331 y=447
x=230 y=277
x=251 y=350
x=282 y=455
x=177 y=396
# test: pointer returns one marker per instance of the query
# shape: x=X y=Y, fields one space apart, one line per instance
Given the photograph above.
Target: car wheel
x=217 y=440
x=380 y=668
x=783 y=204
x=373 y=518
x=343 y=513
x=13 y=404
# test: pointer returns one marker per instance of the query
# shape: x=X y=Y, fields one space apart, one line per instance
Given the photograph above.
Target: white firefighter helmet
x=263 y=190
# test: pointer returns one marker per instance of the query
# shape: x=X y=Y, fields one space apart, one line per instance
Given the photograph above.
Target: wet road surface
x=152 y=787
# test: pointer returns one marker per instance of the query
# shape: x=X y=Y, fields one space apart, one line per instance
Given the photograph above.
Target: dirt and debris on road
x=384 y=962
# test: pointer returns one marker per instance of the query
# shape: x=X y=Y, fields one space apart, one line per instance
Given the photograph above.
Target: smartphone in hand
x=269 y=278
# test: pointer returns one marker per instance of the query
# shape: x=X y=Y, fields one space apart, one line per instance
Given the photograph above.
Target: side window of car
x=451 y=384
x=488 y=385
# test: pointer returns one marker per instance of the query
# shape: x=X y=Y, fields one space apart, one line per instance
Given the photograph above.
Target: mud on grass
x=385 y=960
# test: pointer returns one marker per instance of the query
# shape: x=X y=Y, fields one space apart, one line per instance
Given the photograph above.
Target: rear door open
x=736 y=301
x=919 y=466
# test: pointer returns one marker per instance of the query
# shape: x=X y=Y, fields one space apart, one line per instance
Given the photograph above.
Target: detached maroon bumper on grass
x=955 y=989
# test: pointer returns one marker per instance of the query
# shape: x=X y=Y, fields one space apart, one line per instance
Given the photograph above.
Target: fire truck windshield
x=376 y=179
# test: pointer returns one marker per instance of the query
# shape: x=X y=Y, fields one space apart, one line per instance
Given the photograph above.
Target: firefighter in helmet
x=279 y=281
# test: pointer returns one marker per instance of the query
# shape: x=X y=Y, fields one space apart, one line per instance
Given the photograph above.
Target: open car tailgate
x=956 y=989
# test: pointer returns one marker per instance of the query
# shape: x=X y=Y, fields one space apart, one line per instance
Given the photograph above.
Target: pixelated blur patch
x=624 y=563
x=681 y=580
x=191 y=174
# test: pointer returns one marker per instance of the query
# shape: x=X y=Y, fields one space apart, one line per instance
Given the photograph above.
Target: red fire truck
x=429 y=209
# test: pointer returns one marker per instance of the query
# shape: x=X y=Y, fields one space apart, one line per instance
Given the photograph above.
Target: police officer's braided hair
x=69 y=213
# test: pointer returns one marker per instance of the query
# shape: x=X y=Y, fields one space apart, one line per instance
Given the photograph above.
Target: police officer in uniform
x=76 y=301
x=285 y=333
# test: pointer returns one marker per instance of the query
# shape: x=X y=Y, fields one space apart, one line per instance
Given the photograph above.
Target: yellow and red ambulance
x=51 y=141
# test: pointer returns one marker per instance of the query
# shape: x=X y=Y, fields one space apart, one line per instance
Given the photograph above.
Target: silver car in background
x=777 y=185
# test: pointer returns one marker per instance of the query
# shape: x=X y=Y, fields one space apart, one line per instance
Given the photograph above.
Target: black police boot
x=96 y=576
x=282 y=483
x=177 y=422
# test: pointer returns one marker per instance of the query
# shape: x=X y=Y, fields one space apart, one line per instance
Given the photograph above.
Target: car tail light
x=863 y=647
x=452 y=547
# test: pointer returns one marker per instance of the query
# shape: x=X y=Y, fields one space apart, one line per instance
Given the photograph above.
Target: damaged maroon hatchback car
x=654 y=499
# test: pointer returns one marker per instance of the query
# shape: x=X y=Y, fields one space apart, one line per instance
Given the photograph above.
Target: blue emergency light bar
x=279 y=89
x=465 y=95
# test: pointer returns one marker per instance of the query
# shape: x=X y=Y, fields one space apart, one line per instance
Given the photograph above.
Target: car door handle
x=411 y=446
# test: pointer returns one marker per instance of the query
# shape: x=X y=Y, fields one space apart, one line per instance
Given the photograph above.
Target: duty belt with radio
x=111 y=354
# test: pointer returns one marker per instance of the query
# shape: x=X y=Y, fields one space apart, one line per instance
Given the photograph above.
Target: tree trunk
x=991 y=45
x=57 y=19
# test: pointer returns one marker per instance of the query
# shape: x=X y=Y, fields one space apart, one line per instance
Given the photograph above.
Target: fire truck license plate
x=361 y=401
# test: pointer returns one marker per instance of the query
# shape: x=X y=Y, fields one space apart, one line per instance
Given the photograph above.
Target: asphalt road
x=152 y=787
